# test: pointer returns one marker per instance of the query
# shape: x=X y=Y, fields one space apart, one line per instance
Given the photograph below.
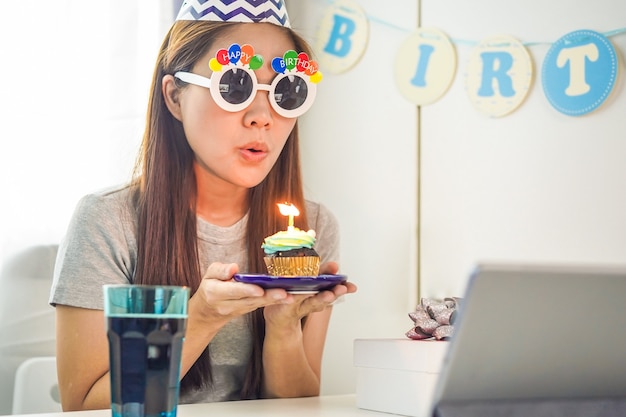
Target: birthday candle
x=288 y=210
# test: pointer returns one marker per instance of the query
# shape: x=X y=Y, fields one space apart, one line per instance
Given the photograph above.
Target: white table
x=327 y=406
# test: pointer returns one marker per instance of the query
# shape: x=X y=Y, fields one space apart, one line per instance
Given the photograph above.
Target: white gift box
x=397 y=376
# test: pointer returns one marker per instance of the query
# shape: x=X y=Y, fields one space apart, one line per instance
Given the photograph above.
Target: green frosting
x=287 y=240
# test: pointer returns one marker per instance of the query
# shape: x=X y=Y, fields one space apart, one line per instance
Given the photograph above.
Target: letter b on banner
x=339 y=43
x=342 y=36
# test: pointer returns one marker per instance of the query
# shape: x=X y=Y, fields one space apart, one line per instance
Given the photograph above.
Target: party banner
x=578 y=73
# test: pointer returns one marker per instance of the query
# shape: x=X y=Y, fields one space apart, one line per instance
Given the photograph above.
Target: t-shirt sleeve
x=326 y=227
x=99 y=248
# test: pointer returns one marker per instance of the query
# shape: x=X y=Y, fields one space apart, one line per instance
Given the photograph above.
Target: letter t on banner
x=342 y=36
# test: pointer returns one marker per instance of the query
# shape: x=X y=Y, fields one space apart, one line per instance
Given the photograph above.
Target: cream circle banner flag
x=499 y=75
x=425 y=65
x=342 y=36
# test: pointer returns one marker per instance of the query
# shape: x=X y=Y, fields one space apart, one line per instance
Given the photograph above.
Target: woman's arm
x=83 y=350
x=292 y=353
x=83 y=354
x=82 y=358
x=292 y=358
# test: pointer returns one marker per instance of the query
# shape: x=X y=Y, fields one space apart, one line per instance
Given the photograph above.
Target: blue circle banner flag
x=579 y=72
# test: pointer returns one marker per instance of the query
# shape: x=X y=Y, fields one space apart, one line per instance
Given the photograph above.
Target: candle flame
x=288 y=210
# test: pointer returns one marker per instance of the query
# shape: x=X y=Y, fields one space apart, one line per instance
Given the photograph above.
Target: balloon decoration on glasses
x=234 y=84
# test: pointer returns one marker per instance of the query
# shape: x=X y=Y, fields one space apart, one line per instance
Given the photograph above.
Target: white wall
x=74 y=88
x=536 y=185
x=360 y=155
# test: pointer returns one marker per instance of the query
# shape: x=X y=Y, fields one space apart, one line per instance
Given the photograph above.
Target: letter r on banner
x=496 y=65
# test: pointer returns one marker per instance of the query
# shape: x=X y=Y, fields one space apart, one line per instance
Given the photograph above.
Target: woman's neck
x=218 y=202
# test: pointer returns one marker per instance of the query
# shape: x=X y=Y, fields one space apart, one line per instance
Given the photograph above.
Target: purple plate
x=293 y=284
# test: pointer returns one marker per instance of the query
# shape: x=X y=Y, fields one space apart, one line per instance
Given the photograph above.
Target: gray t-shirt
x=100 y=248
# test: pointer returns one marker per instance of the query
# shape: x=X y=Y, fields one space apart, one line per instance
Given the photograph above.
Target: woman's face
x=236 y=149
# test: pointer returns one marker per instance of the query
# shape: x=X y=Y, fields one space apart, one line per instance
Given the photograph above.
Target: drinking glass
x=145 y=327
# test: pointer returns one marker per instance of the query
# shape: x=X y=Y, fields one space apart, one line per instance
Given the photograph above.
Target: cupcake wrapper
x=297 y=266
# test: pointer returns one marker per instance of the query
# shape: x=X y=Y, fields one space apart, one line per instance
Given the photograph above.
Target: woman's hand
x=298 y=306
x=220 y=298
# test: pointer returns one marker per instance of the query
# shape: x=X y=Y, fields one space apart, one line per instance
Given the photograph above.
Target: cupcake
x=290 y=253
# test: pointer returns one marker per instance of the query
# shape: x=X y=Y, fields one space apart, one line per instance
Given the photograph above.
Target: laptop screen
x=538 y=332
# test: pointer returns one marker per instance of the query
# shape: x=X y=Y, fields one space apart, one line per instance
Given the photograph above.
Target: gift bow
x=434 y=319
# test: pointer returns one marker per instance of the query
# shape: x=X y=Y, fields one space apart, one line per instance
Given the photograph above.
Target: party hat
x=272 y=11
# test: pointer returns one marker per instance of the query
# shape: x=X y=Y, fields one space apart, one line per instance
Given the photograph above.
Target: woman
x=203 y=198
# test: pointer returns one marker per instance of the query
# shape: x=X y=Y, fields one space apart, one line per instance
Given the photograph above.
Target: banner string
x=468 y=42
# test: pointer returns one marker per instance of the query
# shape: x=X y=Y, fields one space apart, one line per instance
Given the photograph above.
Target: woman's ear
x=171 y=96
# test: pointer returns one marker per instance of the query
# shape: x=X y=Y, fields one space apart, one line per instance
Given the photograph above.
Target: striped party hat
x=272 y=11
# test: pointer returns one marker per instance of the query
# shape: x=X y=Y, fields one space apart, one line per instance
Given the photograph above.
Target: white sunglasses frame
x=213 y=84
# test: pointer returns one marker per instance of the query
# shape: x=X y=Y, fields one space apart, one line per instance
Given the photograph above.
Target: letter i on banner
x=579 y=72
x=499 y=75
x=425 y=66
x=342 y=36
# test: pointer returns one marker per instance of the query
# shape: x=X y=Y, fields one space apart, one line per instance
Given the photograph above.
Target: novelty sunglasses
x=233 y=84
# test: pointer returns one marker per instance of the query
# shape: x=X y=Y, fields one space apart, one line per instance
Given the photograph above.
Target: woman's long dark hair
x=165 y=192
